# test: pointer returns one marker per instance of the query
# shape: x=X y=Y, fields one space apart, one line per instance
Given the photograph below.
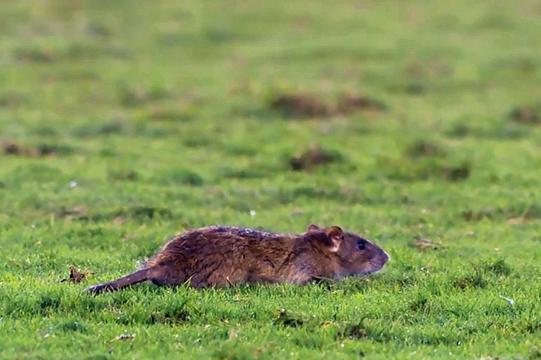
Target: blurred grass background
x=124 y=122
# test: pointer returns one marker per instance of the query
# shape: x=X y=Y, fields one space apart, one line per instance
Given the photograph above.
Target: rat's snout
x=379 y=260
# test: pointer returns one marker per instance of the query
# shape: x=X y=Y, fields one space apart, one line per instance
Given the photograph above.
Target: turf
x=125 y=122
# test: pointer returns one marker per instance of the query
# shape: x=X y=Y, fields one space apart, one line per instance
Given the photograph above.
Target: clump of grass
x=123 y=175
x=71 y=325
x=251 y=172
x=421 y=148
x=168 y=115
x=473 y=280
x=459 y=130
x=175 y=312
x=420 y=304
x=75 y=275
x=426 y=168
x=130 y=97
x=457 y=172
x=136 y=213
x=514 y=213
x=498 y=267
x=353 y=331
x=106 y=128
x=285 y=318
x=71 y=211
x=182 y=177
x=480 y=277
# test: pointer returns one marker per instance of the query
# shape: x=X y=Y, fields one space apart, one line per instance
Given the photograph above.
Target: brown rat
x=226 y=255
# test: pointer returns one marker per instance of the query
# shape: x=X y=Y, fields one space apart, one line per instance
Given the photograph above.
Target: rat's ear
x=335 y=235
x=312 y=227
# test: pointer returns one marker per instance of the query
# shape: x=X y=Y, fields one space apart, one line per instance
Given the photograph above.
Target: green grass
x=135 y=120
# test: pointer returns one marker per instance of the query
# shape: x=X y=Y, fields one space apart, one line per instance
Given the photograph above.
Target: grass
x=123 y=123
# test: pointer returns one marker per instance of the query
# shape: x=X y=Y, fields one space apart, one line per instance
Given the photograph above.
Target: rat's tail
x=126 y=280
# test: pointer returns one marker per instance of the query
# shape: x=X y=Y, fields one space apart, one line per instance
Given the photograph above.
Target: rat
x=221 y=255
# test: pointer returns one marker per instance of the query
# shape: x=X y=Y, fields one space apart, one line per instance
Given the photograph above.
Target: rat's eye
x=361 y=244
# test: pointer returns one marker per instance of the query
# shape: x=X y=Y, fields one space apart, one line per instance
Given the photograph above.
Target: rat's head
x=352 y=253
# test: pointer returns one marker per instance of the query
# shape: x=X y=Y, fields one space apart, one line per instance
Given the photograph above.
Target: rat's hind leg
x=166 y=275
x=127 y=280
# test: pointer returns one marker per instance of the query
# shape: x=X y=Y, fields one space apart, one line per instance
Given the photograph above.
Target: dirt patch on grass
x=9 y=99
x=314 y=156
x=300 y=105
x=422 y=148
x=526 y=114
x=130 y=97
x=35 y=55
x=350 y=103
x=303 y=105
x=423 y=243
x=9 y=147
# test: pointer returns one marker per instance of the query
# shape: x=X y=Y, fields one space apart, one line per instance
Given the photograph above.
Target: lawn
x=417 y=124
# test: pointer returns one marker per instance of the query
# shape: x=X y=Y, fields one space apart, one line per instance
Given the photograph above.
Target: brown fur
x=226 y=255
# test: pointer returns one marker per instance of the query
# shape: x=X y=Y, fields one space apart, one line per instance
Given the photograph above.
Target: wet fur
x=226 y=255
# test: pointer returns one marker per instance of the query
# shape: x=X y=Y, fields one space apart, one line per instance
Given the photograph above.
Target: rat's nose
x=380 y=259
